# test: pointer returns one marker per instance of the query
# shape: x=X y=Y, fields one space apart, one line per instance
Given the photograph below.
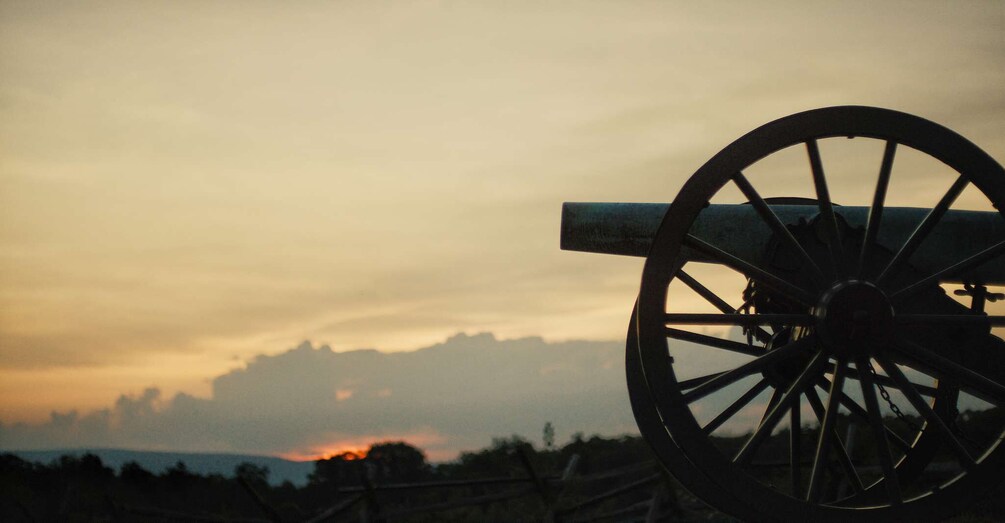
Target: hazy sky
x=310 y=401
x=187 y=185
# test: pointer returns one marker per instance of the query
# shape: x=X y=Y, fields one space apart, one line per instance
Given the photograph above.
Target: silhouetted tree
x=549 y=435
x=88 y=467
x=132 y=473
x=11 y=464
x=178 y=476
x=257 y=476
x=397 y=461
x=337 y=471
x=497 y=460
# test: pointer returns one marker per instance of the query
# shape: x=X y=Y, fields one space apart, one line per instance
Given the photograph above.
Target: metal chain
x=953 y=425
x=747 y=330
x=893 y=406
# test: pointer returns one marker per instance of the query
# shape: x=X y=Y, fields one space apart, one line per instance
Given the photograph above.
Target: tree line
x=83 y=488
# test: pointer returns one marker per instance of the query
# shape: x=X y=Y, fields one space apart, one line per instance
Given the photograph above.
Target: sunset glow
x=357 y=447
x=326 y=453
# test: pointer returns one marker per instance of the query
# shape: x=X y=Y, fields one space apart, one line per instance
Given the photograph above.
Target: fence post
x=371 y=509
x=656 y=504
x=539 y=484
x=570 y=469
x=664 y=494
x=269 y=511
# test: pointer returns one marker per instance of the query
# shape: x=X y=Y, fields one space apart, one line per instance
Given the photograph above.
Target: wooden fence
x=639 y=492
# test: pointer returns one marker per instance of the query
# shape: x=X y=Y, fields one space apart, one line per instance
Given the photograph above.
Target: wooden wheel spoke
x=748 y=269
x=751 y=367
x=924 y=390
x=875 y=418
x=923 y=229
x=926 y=412
x=861 y=412
x=762 y=335
x=712 y=341
x=844 y=460
x=792 y=394
x=691 y=383
x=959 y=268
x=963 y=376
x=769 y=217
x=735 y=407
x=795 y=450
x=687 y=318
x=950 y=319
x=876 y=210
x=827 y=434
x=834 y=247
x=776 y=396
x=704 y=292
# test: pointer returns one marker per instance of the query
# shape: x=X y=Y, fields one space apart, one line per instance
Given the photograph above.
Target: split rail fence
x=641 y=492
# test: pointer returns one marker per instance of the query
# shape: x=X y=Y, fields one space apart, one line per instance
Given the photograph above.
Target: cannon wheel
x=816 y=346
x=652 y=428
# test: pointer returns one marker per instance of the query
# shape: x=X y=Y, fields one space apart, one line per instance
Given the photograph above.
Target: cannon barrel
x=628 y=229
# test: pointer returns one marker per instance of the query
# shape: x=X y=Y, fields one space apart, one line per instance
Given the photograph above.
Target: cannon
x=792 y=357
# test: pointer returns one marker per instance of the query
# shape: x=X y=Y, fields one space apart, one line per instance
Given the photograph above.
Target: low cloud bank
x=310 y=401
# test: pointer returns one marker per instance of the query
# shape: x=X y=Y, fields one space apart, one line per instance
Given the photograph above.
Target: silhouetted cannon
x=628 y=229
x=852 y=373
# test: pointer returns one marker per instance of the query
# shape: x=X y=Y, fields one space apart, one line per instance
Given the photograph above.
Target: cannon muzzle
x=628 y=229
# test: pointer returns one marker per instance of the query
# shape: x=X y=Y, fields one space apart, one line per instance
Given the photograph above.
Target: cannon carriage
x=789 y=358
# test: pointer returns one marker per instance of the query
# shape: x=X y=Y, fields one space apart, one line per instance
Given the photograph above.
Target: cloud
x=311 y=400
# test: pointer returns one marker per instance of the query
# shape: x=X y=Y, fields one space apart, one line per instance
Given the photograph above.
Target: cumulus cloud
x=311 y=400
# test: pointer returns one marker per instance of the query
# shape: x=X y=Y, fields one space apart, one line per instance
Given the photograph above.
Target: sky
x=310 y=401
x=187 y=188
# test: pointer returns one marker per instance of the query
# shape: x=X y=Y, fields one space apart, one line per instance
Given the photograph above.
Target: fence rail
x=566 y=498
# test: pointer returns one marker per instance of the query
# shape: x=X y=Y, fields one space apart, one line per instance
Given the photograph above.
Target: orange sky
x=184 y=186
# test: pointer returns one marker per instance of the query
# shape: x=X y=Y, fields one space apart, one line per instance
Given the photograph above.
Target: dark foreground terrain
x=588 y=479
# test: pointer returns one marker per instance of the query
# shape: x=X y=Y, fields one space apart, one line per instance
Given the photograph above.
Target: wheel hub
x=854 y=318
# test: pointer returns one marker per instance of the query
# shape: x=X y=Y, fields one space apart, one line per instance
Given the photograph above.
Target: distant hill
x=280 y=470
